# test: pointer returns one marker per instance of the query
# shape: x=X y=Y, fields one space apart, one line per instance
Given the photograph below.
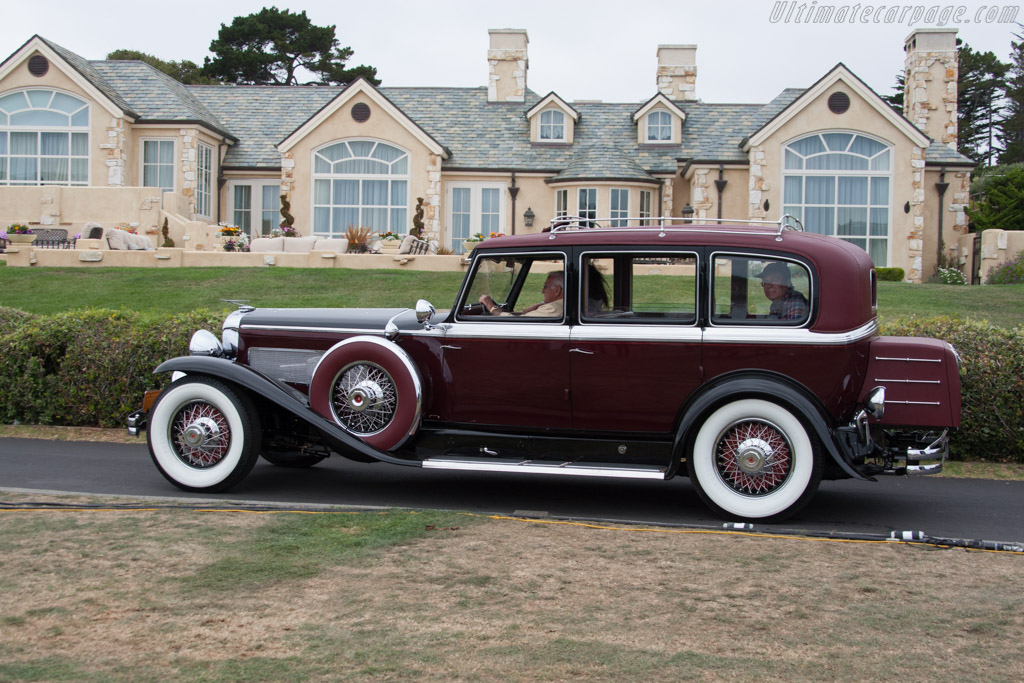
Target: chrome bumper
x=925 y=457
x=136 y=422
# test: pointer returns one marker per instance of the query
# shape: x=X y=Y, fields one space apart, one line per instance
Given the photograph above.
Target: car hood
x=370 y=320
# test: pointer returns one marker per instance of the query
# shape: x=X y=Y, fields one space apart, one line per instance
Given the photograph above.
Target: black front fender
x=276 y=393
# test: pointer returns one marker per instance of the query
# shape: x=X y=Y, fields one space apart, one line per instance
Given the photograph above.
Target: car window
x=508 y=288
x=759 y=290
x=642 y=288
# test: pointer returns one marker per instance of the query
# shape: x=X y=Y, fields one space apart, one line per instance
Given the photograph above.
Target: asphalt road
x=947 y=508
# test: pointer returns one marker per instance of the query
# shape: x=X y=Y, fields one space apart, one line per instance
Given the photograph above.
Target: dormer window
x=552 y=126
x=659 y=126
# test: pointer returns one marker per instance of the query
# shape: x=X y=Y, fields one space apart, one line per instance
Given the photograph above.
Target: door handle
x=449 y=346
x=583 y=351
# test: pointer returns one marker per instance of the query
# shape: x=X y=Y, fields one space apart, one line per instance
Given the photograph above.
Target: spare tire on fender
x=371 y=388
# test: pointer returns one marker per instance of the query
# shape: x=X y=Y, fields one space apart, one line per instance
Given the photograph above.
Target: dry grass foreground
x=186 y=595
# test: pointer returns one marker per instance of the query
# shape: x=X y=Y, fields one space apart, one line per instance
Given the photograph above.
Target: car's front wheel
x=754 y=460
x=202 y=435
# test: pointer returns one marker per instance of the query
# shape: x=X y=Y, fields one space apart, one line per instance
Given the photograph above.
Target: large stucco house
x=82 y=139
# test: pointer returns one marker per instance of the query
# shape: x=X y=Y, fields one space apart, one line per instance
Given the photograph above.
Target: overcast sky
x=747 y=50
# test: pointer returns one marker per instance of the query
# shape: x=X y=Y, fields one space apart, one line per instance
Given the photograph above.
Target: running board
x=575 y=469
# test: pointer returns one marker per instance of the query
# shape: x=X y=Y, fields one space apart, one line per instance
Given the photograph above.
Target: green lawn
x=154 y=291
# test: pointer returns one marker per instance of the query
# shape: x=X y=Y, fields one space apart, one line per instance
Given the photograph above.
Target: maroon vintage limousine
x=746 y=357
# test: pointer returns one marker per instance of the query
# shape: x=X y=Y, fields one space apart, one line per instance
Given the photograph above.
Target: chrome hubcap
x=201 y=435
x=753 y=457
x=364 y=398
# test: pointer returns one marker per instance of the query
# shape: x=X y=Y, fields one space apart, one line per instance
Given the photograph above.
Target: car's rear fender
x=765 y=386
x=263 y=387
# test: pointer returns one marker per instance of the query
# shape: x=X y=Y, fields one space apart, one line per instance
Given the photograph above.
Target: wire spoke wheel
x=200 y=435
x=364 y=398
x=753 y=457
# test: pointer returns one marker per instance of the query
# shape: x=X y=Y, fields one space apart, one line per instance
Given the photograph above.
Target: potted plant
x=358 y=240
x=470 y=242
x=18 y=233
x=390 y=241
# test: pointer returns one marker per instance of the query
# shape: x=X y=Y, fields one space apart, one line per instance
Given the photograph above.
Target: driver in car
x=551 y=307
x=787 y=303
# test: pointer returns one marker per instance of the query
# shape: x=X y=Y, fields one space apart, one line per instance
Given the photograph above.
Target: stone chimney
x=677 y=71
x=507 y=65
x=929 y=95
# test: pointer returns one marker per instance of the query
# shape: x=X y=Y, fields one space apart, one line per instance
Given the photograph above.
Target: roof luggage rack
x=665 y=224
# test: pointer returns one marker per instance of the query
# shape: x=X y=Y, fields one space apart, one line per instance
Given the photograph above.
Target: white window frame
x=592 y=214
x=42 y=99
x=143 y=164
x=561 y=203
x=204 y=180
x=255 y=208
x=392 y=177
x=618 y=206
x=646 y=202
x=804 y=173
x=552 y=126
x=652 y=126
x=475 y=210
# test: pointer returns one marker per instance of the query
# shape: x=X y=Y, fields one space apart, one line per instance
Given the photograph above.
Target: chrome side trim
x=914 y=403
x=636 y=333
x=434 y=332
x=781 y=335
x=535 y=467
x=519 y=331
x=910 y=381
x=911 y=360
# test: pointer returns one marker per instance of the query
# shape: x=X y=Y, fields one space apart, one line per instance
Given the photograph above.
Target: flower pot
x=469 y=245
x=20 y=239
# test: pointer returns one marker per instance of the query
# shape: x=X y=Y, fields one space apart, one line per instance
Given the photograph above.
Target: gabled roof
x=659 y=99
x=838 y=73
x=550 y=98
x=77 y=69
x=361 y=85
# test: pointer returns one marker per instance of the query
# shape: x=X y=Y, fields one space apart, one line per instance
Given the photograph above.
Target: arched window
x=360 y=183
x=840 y=184
x=44 y=138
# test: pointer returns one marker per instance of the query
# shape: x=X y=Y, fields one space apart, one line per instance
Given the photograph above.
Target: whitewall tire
x=202 y=435
x=754 y=460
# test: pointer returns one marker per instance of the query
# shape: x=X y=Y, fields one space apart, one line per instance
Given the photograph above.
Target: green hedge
x=91 y=367
x=890 y=274
x=86 y=367
x=992 y=422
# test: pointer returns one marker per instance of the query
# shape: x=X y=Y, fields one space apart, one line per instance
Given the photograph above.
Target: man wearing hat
x=787 y=303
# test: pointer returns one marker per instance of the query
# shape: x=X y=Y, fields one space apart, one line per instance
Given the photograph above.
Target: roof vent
x=361 y=112
x=38 y=65
x=838 y=102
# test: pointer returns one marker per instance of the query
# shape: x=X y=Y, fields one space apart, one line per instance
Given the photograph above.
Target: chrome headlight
x=229 y=333
x=876 y=402
x=205 y=343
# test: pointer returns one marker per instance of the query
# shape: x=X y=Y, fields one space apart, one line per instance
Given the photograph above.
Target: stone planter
x=20 y=239
x=390 y=246
x=469 y=245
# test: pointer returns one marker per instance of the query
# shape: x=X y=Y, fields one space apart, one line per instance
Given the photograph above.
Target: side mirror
x=424 y=311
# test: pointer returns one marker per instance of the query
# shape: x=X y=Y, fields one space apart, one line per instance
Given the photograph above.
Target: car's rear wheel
x=371 y=388
x=203 y=436
x=754 y=460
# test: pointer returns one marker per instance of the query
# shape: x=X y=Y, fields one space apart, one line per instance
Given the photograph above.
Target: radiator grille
x=287 y=365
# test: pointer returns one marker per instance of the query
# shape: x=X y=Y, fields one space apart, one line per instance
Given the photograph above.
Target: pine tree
x=979 y=103
x=1013 y=125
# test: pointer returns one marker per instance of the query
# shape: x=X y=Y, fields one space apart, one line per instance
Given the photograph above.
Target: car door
x=509 y=369
x=635 y=353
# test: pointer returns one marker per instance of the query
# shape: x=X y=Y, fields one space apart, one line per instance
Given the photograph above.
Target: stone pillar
x=189 y=144
x=758 y=186
x=929 y=96
x=507 y=63
x=915 y=238
x=677 y=71
x=115 y=151
x=701 y=197
x=432 y=199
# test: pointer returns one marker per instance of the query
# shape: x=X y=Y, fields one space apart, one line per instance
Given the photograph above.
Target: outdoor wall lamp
x=687 y=213
x=528 y=217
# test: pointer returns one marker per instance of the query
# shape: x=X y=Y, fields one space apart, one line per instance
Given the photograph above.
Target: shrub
x=1009 y=273
x=992 y=426
x=890 y=274
x=88 y=367
x=951 y=276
